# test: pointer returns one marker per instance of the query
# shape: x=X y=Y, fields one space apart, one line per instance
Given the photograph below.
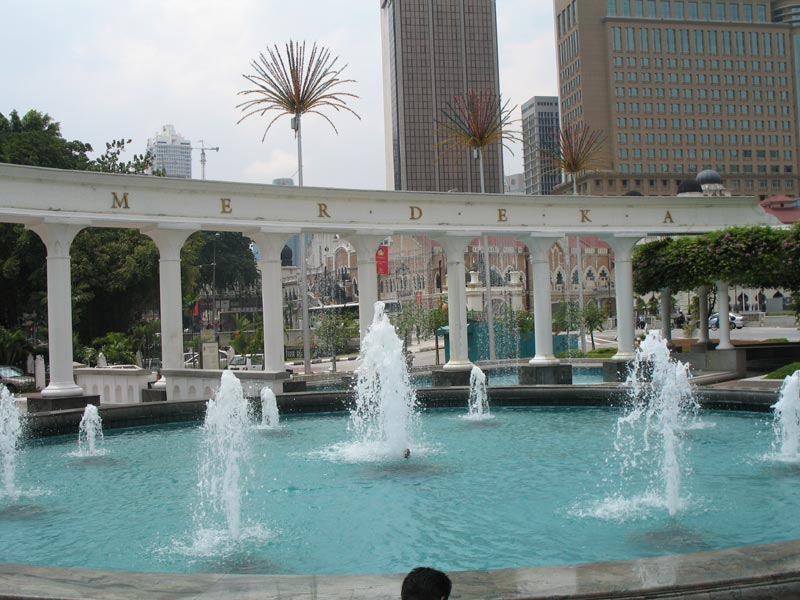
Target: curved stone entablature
x=28 y=194
x=57 y=204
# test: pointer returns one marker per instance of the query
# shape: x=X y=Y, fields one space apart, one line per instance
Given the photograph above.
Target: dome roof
x=709 y=176
x=690 y=185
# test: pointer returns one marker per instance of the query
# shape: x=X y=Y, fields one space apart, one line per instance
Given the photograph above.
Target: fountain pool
x=532 y=486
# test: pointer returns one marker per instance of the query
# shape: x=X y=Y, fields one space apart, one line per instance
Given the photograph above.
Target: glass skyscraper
x=433 y=51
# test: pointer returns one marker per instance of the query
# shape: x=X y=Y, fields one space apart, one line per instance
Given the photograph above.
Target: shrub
x=605 y=352
x=784 y=371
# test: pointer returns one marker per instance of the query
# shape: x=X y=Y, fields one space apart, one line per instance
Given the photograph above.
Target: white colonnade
x=56 y=204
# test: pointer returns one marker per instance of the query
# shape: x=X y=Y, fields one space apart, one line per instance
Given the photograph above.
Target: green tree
x=146 y=338
x=249 y=336
x=566 y=317
x=115 y=280
x=35 y=140
x=110 y=161
x=593 y=318
x=333 y=334
x=116 y=347
x=14 y=347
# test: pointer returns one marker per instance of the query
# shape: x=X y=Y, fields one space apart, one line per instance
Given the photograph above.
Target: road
x=424 y=354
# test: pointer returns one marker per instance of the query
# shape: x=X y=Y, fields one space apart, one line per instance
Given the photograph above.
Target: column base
x=703 y=346
x=545 y=374
x=444 y=377
x=616 y=371
x=64 y=389
x=544 y=361
x=40 y=403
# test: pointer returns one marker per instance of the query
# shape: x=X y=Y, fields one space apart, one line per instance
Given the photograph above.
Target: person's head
x=424 y=583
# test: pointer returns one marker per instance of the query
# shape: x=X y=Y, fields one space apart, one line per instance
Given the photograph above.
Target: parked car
x=15 y=379
x=191 y=360
x=737 y=321
x=247 y=362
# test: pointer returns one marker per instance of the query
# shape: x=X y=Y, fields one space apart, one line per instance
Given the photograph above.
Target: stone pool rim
x=760 y=571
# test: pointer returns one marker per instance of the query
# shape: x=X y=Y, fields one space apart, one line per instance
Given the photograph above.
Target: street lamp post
x=214 y=287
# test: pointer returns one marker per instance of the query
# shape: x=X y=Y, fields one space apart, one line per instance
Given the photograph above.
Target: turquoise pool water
x=528 y=487
x=498 y=377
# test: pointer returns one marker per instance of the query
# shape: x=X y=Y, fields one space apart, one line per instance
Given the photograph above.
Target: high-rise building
x=679 y=87
x=172 y=152
x=434 y=51
x=539 y=135
x=515 y=184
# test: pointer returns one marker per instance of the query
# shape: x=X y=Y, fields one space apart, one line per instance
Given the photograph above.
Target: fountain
x=90 y=432
x=660 y=401
x=787 y=418
x=224 y=452
x=385 y=400
x=269 y=409
x=478 y=396
x=10 y=431
x=348 y=517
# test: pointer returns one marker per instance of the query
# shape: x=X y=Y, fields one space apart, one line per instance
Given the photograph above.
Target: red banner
x=382 y=260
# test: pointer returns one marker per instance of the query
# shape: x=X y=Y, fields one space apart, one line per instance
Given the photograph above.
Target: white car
x=247 y=362
x=191 y=360
x=737 y=321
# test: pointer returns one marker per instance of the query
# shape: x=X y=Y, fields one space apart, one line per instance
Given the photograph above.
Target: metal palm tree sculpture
x=474 y=121
x=295 y=83
x=578 y=150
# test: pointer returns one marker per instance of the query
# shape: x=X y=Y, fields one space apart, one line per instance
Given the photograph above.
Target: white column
x=702 y=302
x=169 y=243
x=57 y=238
x=542 y=300
x=623 y=275
x=666 y=313
x=366 y=246
x=456 y=301
x=487 y=274
x=271 y=245
x=724 y=322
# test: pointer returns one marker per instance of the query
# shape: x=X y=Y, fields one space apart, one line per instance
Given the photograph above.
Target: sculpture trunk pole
x=303 y=266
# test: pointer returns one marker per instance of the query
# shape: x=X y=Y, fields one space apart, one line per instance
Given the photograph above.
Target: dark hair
x=424 y=583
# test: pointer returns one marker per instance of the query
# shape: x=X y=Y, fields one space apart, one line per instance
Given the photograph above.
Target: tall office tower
x=434 y=51
x=680 y=86
x=539 y=135
x=173 y=153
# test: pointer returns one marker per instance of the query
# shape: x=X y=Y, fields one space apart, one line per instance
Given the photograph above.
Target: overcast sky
x=109 y=70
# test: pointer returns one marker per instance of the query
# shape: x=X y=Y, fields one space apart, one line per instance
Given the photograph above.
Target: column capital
x=622 y=245
x=366 y=245
x=57 y=237
x=540 y=246
x=454 y=245
x=271 y=244
x=168 y=241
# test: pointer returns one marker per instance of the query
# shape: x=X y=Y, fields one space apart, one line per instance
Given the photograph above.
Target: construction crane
x=203 y=149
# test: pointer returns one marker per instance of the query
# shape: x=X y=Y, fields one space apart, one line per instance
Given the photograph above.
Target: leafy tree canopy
x=752 y=256
x=35 y=139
